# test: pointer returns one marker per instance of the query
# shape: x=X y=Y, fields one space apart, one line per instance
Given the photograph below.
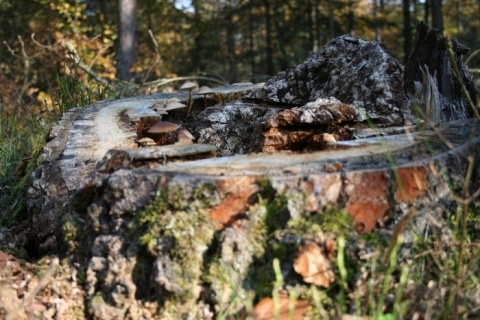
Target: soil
x=49 y=286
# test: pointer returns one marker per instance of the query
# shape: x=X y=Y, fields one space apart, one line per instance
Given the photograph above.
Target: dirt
x=49 y=287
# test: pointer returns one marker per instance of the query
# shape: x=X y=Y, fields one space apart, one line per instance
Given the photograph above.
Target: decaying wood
x=76 y=144
x=359 y=178
x=430 y=76
x=212 y=213
x=309 y=127
x=118 y=159
x=352 y=70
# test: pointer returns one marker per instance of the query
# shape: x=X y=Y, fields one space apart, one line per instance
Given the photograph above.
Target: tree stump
x=430 y=75
x=310 y=144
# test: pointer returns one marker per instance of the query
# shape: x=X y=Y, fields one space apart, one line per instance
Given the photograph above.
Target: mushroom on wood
x=172 y=105
x=161 y=130
x=146 y=141
x=189 y=86
x=204 y=91
x=184 y=137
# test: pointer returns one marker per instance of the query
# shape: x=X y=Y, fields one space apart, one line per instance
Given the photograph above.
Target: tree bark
x=407 y=29
x=426 y=12
x=430 y=77
x=127 y=25
x=268 y=39
x=351 y=18
x=437 y=15
x=376 y=13
x=251 y=42
x=232 y=56
x=331 y=19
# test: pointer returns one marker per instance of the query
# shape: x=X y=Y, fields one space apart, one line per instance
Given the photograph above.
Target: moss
x=207 y=194
x=176 y=230
x=229 y=276
x=335 y=221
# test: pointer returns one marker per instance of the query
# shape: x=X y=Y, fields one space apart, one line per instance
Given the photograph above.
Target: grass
x=396 y=280
x=24 y=133
x=22 y=139
x=435 y=276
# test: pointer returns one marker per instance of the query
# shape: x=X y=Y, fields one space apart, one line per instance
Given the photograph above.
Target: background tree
x=230 y=40
x=127 y=25
x=407 y=29
x=437 y=15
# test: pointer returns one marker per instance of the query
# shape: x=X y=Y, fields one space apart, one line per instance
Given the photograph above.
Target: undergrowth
x=434 y=276
x=23 y=134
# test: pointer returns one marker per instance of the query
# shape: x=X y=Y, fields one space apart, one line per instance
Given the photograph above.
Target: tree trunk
x=407 y=29
x=251 y=42
x=127 y=26
x=430 y=77
x=313 y=22
x=437 y=15
x=426 y=9
x=270 y=69
x=351 y=18
x=230 y=29
x=157 y=231
x=458 y=18
x=376 y=13
x=331 y=19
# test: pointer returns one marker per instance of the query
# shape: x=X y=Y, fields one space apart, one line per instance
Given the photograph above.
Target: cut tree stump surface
x=332 y=134
x=212 y=212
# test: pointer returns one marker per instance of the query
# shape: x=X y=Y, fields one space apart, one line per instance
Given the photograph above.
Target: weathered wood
x=118 y=159
x=223 y=196
x=430 y=76
x=76 y=144
x=352 y=70
x=147 y=225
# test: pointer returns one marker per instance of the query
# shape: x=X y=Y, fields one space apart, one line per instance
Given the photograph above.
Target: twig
x=161 y=82
x=96 y=57
x=159 y=56
x=38 y=43
x=460 y=273
x=467 y=201
x=42 y=283
x=73 y=55
x=11 y=51
x=396 y=234
x=436 y=130
x=473 y=54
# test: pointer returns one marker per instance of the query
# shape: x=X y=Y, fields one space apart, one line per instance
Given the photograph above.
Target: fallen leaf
x=265 y=309
x=313 y=264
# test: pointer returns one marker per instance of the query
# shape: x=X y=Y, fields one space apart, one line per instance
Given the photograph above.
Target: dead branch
x=38 y=44
x=157 y=54
x=73 y=55
x=162 y=82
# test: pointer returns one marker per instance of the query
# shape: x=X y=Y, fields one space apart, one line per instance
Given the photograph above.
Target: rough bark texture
x=199 y=236
x=352 y=70
x=174 y=212
x=430 y=76
x=75 y=146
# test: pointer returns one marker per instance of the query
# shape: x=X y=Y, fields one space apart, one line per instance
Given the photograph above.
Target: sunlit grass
x=24 y=134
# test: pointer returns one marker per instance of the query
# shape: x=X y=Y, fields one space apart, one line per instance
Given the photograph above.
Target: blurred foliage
x=233 y=40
